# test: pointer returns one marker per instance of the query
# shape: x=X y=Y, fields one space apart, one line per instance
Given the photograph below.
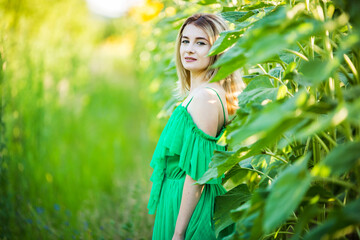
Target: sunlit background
x=78 y=120
x=112 y=8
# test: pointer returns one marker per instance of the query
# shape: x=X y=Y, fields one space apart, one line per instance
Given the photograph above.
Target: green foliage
x=331 y=166
x=284 y=197
x=226 y=203
x=293 y=168
x=76 y=135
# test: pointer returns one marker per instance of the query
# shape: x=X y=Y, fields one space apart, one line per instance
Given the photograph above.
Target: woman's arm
x=190 y=198
x=205 y=114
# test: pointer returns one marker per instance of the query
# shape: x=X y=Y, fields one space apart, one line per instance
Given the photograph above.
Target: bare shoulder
x=204 y=95
x=204 y=111
x=204 y=102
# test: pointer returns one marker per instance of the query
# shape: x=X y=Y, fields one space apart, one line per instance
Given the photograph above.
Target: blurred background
x=83 y=85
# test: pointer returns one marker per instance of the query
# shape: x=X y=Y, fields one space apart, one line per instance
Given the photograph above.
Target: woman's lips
x=190 y=59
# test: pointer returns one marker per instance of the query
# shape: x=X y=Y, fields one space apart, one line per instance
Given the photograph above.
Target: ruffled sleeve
x=194 y=147
x=197 y=151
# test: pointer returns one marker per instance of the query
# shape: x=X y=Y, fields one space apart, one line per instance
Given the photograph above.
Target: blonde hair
x=212 y=25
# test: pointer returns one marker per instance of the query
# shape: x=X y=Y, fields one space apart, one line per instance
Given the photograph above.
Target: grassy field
x=79 y=167
x=78 y=130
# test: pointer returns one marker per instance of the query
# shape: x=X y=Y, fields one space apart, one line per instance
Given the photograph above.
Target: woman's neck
x=197 y=79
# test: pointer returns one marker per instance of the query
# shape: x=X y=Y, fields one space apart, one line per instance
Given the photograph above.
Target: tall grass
x=75 y=133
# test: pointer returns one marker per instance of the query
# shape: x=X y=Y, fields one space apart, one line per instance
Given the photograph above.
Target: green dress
x=183 y=149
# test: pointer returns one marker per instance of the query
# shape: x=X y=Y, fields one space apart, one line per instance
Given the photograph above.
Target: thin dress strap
x=220 y=102
x=189 y=102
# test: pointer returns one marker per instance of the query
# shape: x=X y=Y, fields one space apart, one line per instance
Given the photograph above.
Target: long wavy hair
x=212 y=25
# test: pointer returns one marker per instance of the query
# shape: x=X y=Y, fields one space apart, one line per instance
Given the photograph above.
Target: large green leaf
x=268 y=44
x=265 y=163
x=250 y=20
x=275 y=18
x=244 y=226
x=228 y=9
x=248 y=216
x=226 y=40
x=233 y=173
x=235 y=16
x=225 y=203
x=234 y=63
x=316 y=71
x=352 y=94
x=260 y=81
x=218 y=160
x=259 y=89
x=286 y=57
x=321 y=121
x=258 y=95
x=319 y=116
x=233 y=54
x=224 y=161
x=286 y=193
x=259 y=5
x=266 y=38
x=274 y=116
x=317 y=194
x=310 y=211
x=340 y=160
x=353 y=111
x=269 y=166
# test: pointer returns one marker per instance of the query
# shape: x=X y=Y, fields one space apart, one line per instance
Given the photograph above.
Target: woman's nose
x=190 y=48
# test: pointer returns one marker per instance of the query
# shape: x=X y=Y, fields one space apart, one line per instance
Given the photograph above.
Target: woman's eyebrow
x=197 y=38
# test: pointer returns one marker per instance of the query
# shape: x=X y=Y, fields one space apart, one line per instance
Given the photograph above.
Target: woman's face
x=194 y=48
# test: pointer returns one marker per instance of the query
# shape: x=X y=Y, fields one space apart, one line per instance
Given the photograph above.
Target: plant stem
x=337 y=181
x=322 y=143
x=307 y=145
x=278 y=80
x=257 y=171
x=316 y=151
x=347 y=129
x=262 y=69
x=277 y=157
x=271 y=234
x=343 y=70
x=358 y=232
x=332 y=141
x=302 y=56
x=302 y=49
x=311 y=47
x=352 y=67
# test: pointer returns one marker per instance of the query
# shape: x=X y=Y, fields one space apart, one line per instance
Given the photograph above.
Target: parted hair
x=212 y=25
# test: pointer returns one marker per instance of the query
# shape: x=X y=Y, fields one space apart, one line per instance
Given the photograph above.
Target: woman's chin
x=194 y=69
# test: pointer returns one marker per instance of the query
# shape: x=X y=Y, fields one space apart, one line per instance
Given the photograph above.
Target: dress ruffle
x=194 y=147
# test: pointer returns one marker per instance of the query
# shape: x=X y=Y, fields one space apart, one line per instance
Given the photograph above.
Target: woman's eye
x=184 y=41
x=201 y=43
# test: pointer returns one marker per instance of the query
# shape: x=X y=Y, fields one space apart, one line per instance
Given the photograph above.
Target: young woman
x=187 y=143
